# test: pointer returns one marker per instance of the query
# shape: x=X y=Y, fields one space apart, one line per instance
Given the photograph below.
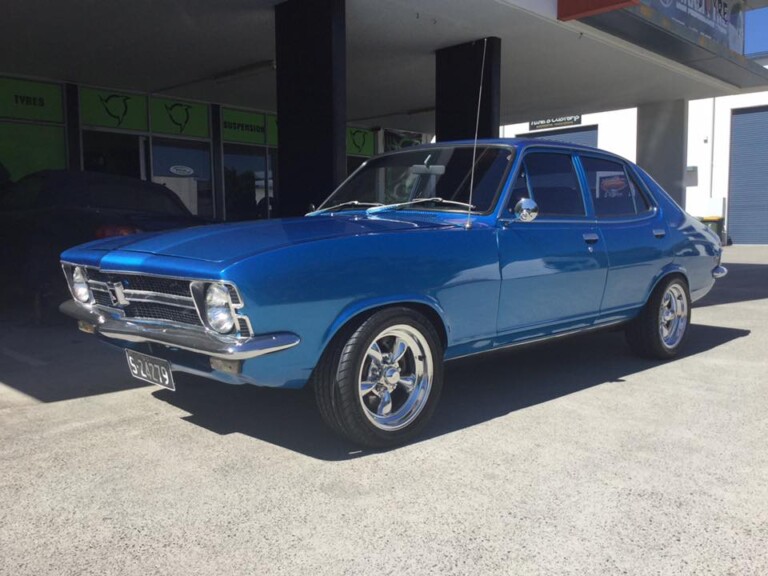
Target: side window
x=614 y=193
x=553 y=184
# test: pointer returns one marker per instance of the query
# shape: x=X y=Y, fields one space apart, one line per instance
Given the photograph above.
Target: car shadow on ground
x=744 y=282
x=54 y=361
x=476 y=390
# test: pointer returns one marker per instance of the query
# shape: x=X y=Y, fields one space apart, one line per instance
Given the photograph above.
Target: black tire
x=370 y=418
x=646 y=335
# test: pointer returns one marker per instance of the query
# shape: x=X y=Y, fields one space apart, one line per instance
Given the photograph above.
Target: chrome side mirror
x=526 y=210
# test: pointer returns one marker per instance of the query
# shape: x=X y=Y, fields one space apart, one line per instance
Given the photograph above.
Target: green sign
x=27 y=148
x=179 y=118
x=271 y=130
x=25 y=100
x=360 y=142
x=108 y=109
x=243 y=127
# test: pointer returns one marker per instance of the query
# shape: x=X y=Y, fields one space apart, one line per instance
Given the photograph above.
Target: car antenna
x=468 y=224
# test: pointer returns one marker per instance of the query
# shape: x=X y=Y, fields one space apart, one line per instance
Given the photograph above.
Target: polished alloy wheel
x=673 y=315
x=395 y=377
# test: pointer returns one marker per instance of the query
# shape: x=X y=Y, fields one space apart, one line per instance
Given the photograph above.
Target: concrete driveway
x=572 y=458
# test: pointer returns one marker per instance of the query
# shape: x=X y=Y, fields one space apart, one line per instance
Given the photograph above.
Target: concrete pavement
x=569 y=458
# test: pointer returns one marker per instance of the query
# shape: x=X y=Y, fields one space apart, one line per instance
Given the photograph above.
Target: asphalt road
x=572 y=458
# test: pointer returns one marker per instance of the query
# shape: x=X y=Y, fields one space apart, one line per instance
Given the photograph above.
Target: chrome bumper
x=719 y=272
x=177 y=337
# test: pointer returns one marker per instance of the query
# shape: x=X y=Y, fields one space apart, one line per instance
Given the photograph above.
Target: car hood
x=232 y=242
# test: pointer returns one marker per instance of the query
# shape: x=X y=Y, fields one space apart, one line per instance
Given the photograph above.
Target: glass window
x=112 y=153
x=247 y=182
x=427 y=173
x=185 y=167
x=553 y=184
x=613 y=192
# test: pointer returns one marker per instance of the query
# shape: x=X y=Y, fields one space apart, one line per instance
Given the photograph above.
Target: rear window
x=614 y=193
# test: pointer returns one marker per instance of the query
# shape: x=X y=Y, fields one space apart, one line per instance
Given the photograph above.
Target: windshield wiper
x=343 y=205
x=435 y=200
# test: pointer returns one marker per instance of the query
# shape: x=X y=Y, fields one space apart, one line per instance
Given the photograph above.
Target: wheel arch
x=359 y=311
x=668 y=272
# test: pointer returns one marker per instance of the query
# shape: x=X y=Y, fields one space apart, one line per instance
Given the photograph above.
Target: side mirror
x=311 y=207
x=526 y=210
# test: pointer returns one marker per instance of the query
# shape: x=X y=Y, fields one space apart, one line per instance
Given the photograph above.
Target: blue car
x=421 y=256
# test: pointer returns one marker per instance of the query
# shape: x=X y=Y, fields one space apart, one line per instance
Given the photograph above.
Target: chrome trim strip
x=537 y=339
x=719 y=272
x=199 y=341
x=159 y=298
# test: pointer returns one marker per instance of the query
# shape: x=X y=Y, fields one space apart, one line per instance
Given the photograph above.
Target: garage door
x=583 y=136
x=748 y=190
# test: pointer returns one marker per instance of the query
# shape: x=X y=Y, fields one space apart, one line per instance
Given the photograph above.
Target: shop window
x=113 y=153
x=248 y=182
x=185 y=167
x=28 y=148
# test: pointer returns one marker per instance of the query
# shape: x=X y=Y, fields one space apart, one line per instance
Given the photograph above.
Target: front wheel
x=660 y=329
x=379 y=381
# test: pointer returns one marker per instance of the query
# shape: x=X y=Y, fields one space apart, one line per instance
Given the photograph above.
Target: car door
x=553 y=269
x=632 y=228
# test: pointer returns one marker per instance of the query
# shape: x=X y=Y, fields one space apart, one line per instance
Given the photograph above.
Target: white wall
x=706 y=138
x=616 y=131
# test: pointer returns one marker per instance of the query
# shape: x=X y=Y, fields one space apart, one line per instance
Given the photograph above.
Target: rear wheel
x=662 y=326
x=379 y=381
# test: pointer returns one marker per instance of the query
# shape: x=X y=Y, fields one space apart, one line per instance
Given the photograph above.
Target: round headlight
x=80 y=285
x=218 y=310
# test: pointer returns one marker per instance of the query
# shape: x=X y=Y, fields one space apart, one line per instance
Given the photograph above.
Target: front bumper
x=193 y=340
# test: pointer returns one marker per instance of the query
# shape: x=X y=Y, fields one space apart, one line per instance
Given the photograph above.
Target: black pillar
x=310 y=42
x=457 y=87
x=74 y=145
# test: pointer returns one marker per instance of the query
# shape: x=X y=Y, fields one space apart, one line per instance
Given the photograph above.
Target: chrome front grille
x=155 y=298
x=143 y=283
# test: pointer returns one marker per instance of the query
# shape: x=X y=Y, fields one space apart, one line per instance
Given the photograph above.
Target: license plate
x=150 y=369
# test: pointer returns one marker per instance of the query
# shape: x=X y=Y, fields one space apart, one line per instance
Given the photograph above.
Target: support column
x=457 y=86
x=74 y=144
x=662 y=144
x=310 y=40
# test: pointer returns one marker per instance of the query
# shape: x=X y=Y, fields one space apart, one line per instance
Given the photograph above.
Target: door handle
x=659 y=232
x=591 y=238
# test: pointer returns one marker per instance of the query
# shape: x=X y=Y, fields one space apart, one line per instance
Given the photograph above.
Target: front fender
x=361 y=307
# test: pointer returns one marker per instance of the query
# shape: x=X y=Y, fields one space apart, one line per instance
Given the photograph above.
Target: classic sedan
x=421 y=256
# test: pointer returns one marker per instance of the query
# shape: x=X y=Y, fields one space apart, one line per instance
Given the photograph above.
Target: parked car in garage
x=47 y=212
x=422 y=256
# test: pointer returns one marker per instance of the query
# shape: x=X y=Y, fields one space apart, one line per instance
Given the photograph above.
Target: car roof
x=520 y=143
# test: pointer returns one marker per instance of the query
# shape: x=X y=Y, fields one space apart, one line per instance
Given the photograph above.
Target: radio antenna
x=468 y=224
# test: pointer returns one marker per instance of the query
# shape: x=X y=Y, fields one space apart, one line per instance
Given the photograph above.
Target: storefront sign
x=26 y=100
x=559 y=122
x=243 y=127
x=720 y=20
x=271 y=130
x=179 y=118
x=360 y=142
x=109 y=109
x=575 y=9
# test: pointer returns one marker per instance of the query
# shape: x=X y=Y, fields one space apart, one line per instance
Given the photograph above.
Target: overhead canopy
x=223 y=52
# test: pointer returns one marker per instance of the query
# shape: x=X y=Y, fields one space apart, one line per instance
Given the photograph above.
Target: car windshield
x=442 y=173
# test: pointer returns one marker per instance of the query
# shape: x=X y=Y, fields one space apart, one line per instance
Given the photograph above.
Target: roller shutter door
x=748 y=189
x=583 y=136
